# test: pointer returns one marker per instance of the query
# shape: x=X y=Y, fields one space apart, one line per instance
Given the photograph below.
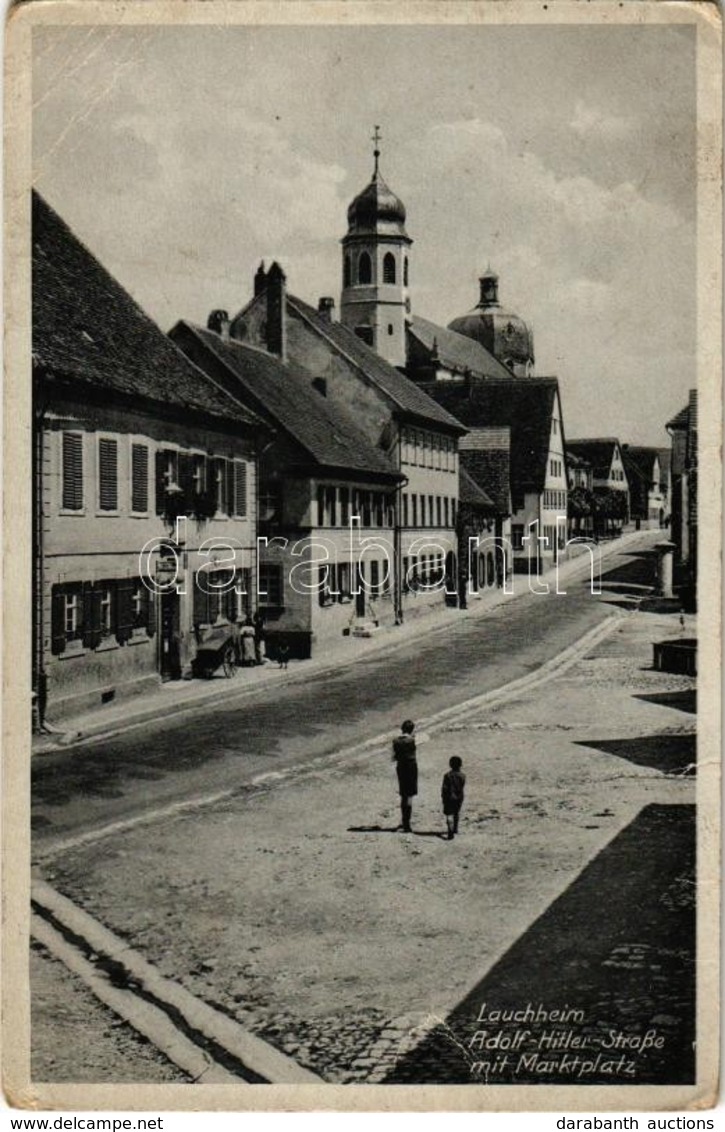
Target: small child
x=454 y=782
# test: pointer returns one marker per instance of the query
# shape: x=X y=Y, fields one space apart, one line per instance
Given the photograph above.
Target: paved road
x=224 y=746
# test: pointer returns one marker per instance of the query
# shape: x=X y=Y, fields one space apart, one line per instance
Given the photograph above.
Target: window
x=107 y=474
x=405 y=271
x=375 y=576
x=167 y=473
x=379 y=509
x=439 y=517
x=240 y=489
x=438 y=444
x=453 y=512
x=405 y=510
x=270 y=501
x=431 y=511
x=219 y=485
x=105 y=611
x=389 y=268
x=347 y=272
x=445 y=512
x=198 y=474
x=517 y=536
x=72 y=471
x=270 y=585
x=390 y=328
x=414 y=503
x=364 y=268
x=344 y=506
x=139 y=479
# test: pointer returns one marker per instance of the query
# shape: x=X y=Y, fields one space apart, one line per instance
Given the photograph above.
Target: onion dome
x=504 y=334
x=376 y=210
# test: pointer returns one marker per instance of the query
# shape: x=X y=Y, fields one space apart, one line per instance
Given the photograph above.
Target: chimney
x=218 y=321
x=325 y=308
x=260 y=280
x=277 y=311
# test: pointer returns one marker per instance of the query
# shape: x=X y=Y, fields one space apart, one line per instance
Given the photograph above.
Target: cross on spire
x=376 y=152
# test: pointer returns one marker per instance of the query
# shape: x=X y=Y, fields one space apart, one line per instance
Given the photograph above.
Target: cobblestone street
x=570 y=884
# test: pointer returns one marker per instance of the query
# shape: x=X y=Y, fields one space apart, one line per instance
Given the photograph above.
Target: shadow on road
x=614 y=955
x=396 y=829
x=685 y=700
x=670 y=754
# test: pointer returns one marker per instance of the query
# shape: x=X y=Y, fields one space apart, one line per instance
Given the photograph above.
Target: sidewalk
x=394 y=932
x=176 y=696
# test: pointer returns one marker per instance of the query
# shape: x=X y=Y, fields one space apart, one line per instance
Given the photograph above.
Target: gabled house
x=139 y=459
x=609 y=482
x=580 y=502
x=323 y=574
x=644 y=476
x=418 y=435
x=437 y=353
x=530 y=409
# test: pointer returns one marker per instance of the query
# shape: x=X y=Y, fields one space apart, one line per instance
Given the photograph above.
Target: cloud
x=591 y=121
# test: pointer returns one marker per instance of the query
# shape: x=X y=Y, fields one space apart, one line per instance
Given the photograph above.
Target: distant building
x=580 y=503
x=128 y=436
x=485 y=456
x=479 y=367
x=319 y=471
x=683 y=430
x=418 y=436
x=530 y=410
x=647 y=499
x=609 y=482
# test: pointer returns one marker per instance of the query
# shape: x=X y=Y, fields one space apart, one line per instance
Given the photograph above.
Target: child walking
x=452 y=790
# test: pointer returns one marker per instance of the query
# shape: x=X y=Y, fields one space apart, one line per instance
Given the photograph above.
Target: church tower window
x=405 y=272
x=364 y=269
x=389 y=268
x=347 y=272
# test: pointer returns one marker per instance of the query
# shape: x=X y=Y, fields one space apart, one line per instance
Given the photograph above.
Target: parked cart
x=214 y=652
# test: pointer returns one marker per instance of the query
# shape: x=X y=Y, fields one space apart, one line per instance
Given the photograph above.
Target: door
x=170 y=641
x=360 y=596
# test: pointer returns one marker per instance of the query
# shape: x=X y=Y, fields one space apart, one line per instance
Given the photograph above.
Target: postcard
x=362 y=555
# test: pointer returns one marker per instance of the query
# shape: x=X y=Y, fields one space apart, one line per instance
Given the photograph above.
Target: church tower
x=374 y=301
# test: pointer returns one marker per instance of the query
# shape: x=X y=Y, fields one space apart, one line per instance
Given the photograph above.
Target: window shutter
x=125 y=589
x=229 y=480
x=88 y=635
x=201 y=603
x=57 y=620
x=72 y=471
x=160 y=481
x=240 y=489
x=149 y=608
x=139 y=477
x=108 y=474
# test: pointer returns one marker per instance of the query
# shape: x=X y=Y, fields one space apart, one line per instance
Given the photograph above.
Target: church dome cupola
x=376 y=210
x=503 y=333
x=375 y=303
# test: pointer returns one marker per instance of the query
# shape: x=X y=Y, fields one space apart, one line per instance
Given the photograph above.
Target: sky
x=562 y=156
